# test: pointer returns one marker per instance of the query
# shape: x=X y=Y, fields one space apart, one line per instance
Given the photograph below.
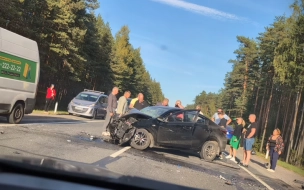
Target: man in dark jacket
x=112 y=105
x=140 y=103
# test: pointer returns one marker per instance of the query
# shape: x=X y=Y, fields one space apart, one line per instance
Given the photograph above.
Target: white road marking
x=257 y=178
x=115 y=154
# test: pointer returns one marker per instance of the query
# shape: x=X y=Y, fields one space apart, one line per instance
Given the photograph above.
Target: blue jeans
x=248 y=143
x=274 y=156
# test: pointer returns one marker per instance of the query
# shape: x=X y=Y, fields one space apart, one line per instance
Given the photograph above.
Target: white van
x=19 y=75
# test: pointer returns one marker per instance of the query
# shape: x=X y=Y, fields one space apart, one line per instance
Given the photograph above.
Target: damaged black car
x=169 y=127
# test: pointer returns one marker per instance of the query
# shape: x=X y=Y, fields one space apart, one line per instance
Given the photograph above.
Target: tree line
x=77 y=49
x=267 y=79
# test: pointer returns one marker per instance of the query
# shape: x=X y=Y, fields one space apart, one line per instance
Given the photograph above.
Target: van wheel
x=16 y=115
x=209 y=150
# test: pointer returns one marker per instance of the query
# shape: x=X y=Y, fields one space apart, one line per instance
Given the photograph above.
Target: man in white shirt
x=216 y=119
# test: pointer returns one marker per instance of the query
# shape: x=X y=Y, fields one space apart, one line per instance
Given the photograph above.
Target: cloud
x=200 y=9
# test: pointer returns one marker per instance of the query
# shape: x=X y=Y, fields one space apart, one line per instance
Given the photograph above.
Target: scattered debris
x=221 y=177
x=177 y=171
x=92 y=137
x=2 y=132
x=228 y=183
x=69 y=140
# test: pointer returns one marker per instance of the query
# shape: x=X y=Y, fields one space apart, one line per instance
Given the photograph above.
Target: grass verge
x=51 y=112
x=298 y=170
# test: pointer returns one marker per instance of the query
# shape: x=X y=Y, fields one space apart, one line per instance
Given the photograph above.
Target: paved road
x=68 y=138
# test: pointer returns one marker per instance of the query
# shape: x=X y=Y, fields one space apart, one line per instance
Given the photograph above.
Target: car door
x=102 y=106
x=201 y=132
x=176 y=130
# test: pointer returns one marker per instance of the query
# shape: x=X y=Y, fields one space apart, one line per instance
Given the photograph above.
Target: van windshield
x=86 y=97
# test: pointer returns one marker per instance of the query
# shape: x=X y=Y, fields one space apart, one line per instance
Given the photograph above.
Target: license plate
x=78 y=108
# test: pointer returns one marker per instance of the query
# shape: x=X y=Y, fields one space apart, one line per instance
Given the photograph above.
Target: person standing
x=50 y=97
x=223 y=120
x=133 y=101
x=236 y=139
x=140 y=103
x=275 y=146
x=123 y=104
x=249 y=139
x=165 y=102
x=216 y=119
x=178 y=104
x=198 y=107
x=112 y=105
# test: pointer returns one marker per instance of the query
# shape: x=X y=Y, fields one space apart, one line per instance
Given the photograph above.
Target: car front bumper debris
x=122 y=130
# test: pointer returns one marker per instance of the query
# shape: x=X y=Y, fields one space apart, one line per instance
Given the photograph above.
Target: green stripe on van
x=17 y=68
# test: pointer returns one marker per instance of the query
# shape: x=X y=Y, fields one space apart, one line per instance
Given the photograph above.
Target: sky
x=186 y=44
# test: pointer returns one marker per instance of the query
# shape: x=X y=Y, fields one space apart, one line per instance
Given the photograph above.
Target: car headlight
x=92 y=105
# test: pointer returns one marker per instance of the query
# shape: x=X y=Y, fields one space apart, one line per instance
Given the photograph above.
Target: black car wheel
x=16 y=115
x=141 y=139
x=209 y=150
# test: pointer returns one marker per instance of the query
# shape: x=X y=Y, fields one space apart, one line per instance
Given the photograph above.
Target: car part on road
x=209 y=150
x=17 y=114
x=141 y=139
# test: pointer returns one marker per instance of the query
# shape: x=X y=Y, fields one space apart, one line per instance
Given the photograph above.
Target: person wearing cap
x=50 y=97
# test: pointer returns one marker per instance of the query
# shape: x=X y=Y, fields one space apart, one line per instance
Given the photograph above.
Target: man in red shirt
x=50 y=97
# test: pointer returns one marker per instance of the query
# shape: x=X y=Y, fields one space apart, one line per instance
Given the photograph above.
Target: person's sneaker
x=270 y=170
x=233 y=160
x=229 y=156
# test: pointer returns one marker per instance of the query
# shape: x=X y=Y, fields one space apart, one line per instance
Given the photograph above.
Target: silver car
x=89 y=103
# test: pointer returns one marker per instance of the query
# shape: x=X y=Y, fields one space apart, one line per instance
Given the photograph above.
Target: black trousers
x=48 y=102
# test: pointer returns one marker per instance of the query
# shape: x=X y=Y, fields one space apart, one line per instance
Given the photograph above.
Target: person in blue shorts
x=249 y=139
